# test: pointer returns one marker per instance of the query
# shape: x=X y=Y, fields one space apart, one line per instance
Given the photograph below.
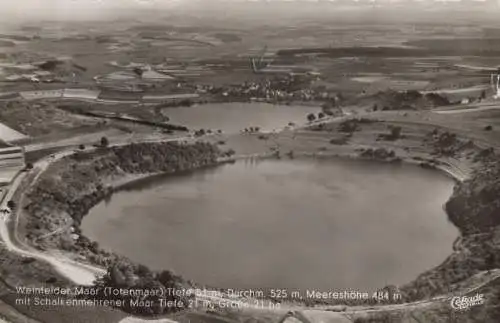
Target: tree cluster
x=394 y=133
x=349 y=126
x=154 y=287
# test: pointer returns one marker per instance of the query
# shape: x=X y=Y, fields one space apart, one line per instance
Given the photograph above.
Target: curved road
x=85 y=274
x=77 y=272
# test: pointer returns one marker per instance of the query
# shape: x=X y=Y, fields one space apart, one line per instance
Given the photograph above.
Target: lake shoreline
x=250 y=172
x=353 y=152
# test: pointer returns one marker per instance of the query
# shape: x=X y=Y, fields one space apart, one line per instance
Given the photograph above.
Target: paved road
x=72 y=94
x=482 y=107
x=79 y=273
x=76 y=272
x=85 y=274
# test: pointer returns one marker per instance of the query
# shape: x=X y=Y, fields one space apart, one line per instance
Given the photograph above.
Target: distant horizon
x=94 y=10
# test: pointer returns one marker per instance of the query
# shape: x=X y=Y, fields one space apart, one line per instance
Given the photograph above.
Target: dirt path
x=85 y=274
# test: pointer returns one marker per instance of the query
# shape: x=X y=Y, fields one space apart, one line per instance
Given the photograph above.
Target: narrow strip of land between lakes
x=73 y=269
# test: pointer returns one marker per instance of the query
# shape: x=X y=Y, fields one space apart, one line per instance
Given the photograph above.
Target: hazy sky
x=77 y=8
x=16 y=10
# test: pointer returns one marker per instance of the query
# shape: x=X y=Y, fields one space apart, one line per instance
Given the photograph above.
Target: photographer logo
x=462 y=303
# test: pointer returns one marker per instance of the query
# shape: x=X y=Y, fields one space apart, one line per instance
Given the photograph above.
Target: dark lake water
x=292 y=223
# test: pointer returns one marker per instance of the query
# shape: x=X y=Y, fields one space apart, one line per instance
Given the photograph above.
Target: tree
x=138 y=71
x=11 y=204
x=393 y=293
x=82 y=146
x=348 y=126
x=49 y=65
x=166 y=278
x=29 y=166
x=311 y=117
x=94 y=247
x=115 y=276
x=143 y=271
x=186 y=103
x=199 y=133
x=104 y=142
x=396 y=132
x=490 y=261
x=321 y=115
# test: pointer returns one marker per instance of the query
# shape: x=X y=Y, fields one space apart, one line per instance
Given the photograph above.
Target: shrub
x=339 y=141
x=200 y=133
x=311 y=117
x=349 y=126
x=104 y=142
